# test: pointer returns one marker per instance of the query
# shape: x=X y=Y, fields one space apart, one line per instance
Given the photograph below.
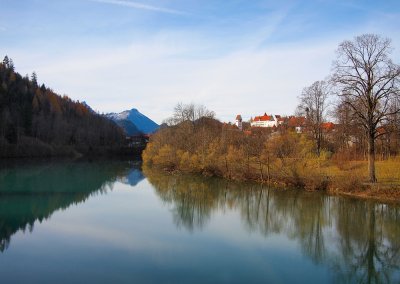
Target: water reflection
x=34 y=192
x=133 y=177
x=354 y=240
x=358 y=240
x=192 y=197
x=369 y=244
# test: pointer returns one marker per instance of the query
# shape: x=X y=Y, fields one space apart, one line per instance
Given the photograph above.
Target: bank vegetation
x=358 y=151
x=282 y=157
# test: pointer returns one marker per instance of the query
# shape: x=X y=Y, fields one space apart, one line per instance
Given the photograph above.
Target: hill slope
x=131 y=119
x=35 y=121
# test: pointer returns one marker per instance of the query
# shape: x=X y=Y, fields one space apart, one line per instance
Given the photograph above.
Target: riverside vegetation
x=366 y=109
x=208 y=147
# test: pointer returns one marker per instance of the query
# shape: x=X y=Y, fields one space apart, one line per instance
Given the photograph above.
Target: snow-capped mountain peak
x=134 y=122
x=118 y=116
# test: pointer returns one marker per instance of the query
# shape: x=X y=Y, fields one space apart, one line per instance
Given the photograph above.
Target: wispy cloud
x=137 y=5
x=159 y=76
x=248 y=65
x=2 y=29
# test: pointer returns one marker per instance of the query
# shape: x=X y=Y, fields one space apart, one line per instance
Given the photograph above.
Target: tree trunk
x=319 y=139
x=261 y=170
x=371 y=158
x=372 y=253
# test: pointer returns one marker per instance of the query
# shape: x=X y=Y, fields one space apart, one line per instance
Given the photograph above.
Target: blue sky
x=238 y=56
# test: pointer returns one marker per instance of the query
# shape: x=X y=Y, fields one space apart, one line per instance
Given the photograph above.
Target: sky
x=233 y=56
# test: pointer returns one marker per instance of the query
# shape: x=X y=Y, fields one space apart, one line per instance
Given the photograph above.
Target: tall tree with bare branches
x=313 y=104
x=368 y=81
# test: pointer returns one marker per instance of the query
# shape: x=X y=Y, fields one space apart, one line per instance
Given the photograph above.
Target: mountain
x=134 y=122
x=88 y=107
x=133 y=177
x=128 y=126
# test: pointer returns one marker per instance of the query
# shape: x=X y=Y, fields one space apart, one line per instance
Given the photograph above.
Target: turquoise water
x=109 y=222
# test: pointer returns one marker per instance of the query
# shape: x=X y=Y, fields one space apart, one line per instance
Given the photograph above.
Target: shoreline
x=22 y=152
x=380 y=192
x=385 y=195
x=375 y=192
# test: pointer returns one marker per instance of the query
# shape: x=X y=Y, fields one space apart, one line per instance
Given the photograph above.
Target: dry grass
x=387 y=171
x=351 y=178
x=348 y=177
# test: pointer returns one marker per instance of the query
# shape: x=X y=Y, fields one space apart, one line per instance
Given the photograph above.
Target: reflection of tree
x=370 y=244
x=193 y=197
x=297 y=214
x=30 y=193
x=359 y=239
x=311 y=219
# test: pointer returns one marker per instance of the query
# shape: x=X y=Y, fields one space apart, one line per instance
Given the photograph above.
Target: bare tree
x=313 y=104
x=189 y=112
x=368 y=82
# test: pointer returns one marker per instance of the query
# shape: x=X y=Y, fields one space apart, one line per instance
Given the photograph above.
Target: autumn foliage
x=35 y=121
x=210 y=147
x=278 y=157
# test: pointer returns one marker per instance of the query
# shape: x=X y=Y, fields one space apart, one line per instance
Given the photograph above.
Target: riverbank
x=379 y=192
x=345 y=178
x=350 y=179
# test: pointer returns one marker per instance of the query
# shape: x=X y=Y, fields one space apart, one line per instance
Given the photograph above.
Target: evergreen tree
x=6 y=61
x=34 y=79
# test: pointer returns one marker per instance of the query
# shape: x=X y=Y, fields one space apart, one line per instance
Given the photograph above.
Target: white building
x=266 y=121
x=238 y=122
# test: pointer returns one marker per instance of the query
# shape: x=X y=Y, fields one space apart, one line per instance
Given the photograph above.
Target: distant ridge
x=134 y=122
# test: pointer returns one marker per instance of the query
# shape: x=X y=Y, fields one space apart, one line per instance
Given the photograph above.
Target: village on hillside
x=274 y=122
x=329 y=132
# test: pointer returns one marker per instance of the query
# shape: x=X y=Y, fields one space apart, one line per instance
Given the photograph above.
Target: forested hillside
x=35 y=121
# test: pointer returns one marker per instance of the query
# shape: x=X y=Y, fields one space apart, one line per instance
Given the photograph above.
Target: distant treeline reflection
x=30 y=193
x=358 y=239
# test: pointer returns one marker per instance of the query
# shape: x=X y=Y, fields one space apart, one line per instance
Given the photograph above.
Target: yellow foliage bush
x=165 y=158
x=286 y=157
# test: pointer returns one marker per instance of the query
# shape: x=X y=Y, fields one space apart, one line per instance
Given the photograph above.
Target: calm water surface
x=109 y=222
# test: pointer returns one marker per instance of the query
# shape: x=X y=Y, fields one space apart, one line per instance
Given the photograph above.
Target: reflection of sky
x=130 y=236
x=186 y=230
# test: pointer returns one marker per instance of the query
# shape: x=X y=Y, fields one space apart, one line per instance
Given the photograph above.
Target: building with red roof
x=266 y=121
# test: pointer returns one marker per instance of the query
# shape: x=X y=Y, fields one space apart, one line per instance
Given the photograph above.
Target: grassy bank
x=281 y=158
x=386 y=189
x=344 y=178
x=284 y=161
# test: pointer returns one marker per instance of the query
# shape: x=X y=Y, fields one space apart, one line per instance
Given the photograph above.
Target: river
x=111 y=222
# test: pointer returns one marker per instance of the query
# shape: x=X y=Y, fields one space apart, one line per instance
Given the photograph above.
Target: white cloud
x=157 y=72
x=137 y=5
x=152 y=77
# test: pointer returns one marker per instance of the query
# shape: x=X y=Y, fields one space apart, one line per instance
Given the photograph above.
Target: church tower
x=238 y=122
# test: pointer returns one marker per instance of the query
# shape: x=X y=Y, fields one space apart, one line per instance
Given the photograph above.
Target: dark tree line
x=35 y=119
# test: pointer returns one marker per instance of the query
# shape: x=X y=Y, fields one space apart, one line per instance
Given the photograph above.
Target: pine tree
x=6 y=61
x=34 y=78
